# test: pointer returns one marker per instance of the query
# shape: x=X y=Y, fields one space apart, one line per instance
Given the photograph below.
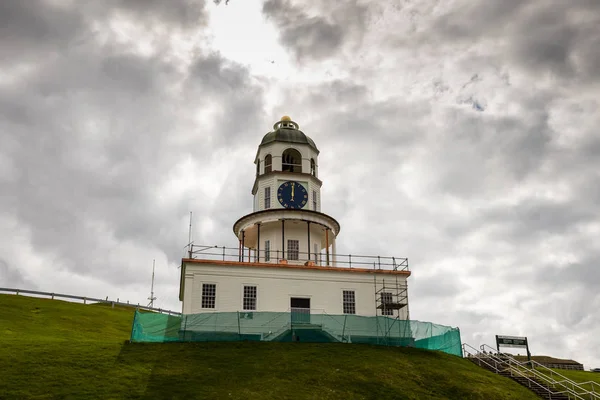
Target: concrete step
x=540 y=391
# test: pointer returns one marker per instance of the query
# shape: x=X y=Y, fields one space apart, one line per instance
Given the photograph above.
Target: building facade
x=286 y=258
x=551 y=362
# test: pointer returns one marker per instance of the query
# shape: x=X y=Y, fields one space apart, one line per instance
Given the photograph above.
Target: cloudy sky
x=462 y=135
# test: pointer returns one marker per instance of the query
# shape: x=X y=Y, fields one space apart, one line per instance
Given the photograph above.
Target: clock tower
x=287 y=225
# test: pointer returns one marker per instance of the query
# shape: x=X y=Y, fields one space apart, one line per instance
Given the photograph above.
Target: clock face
x=292 y=195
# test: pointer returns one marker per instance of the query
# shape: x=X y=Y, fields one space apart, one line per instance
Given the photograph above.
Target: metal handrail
x=86 y=299
x=481 y=356
x=480 y=359
x=519 y=366
x=278 y=332
x=224 y=253
x=574 y=385
x=514 y=365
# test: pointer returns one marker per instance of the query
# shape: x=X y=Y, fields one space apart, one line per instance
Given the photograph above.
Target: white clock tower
x=286 y=259
x=287 y=225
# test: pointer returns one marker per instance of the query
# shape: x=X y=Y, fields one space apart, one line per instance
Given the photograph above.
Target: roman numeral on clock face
x=292 y=195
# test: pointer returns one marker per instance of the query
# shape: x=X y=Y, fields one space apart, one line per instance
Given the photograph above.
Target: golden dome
x=286 y=118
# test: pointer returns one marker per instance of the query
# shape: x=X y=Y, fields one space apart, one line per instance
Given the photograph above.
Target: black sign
x=511 y=341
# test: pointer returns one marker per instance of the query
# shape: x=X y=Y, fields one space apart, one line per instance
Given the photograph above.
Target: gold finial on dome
x=286 y=118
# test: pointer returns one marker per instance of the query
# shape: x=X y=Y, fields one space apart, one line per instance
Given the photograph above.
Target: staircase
x=547 y=385
x=540 y=388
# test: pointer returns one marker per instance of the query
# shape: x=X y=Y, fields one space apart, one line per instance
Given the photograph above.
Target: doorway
x=300 y=310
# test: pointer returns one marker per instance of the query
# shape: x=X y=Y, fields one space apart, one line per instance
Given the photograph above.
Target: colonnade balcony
x=243 y=255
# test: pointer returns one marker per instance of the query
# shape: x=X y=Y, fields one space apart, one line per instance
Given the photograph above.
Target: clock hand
x=292 y=192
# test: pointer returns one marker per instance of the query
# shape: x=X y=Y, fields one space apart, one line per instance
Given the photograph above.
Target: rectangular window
x=267 y=250
x=293 y=249
x=209 y=295
x=386 y=298
x=249 y=302
x=267 y=197
x=349 y=302
x=314 y=200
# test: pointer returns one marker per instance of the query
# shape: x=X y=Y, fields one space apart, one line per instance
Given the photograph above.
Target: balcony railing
x=222 y=253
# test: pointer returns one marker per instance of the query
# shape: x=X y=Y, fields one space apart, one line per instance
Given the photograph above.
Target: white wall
x=267 y=181
x=311 y=184
x=275 y=180
x=275 y=287
x=276 y=149
x=293 y=231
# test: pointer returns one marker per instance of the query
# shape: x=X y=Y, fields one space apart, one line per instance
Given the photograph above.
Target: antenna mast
x=190 y=248
x=152 y=298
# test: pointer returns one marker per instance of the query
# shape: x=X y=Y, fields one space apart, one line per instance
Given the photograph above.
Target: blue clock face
x=292 y=195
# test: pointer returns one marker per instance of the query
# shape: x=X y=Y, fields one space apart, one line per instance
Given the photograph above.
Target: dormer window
x=268 y=164
x=291 y=161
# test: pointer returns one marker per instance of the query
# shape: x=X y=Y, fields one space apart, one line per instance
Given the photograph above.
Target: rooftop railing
x=295 y=257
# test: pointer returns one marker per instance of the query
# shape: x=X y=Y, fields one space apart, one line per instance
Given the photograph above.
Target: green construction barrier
x=288 y=327
x=154 y=327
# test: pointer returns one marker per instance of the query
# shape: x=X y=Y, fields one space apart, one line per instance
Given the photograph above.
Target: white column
x=334 y=250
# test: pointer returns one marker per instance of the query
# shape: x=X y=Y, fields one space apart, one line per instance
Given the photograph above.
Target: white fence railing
x=85 y=299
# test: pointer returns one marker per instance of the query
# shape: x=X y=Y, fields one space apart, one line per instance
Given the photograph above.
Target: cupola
x=288 y=131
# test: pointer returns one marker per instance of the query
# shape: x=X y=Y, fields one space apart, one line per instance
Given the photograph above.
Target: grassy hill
x=583 y=377
x=51 y=349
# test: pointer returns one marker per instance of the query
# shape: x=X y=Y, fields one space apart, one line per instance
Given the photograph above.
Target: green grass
x=51 y=349
x=577 y=376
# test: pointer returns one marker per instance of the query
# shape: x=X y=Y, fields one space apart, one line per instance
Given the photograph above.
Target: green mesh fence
x=153 y=327
x=294 y=327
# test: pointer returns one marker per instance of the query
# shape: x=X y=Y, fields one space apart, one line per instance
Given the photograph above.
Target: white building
x=286 y=260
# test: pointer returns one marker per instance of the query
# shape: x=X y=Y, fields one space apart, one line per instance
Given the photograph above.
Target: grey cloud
x=533 y=219
x=188 y=14
x=476 y=317
x=543 y=36
x=233 y=86
x=10 y=277
x=344 y=93
x=435 y=289
x=354 y=118
x=97 y=134
x=580 y=158
x=477 y=17
x=573 y=325
x=583 y=274
x=318 y=36
x=484 y=147
x=33 y=30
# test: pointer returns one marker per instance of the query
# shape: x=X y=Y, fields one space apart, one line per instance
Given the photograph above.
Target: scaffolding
x=391 y=302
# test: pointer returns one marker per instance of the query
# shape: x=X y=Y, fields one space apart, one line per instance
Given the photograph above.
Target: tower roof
x=288 y=131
